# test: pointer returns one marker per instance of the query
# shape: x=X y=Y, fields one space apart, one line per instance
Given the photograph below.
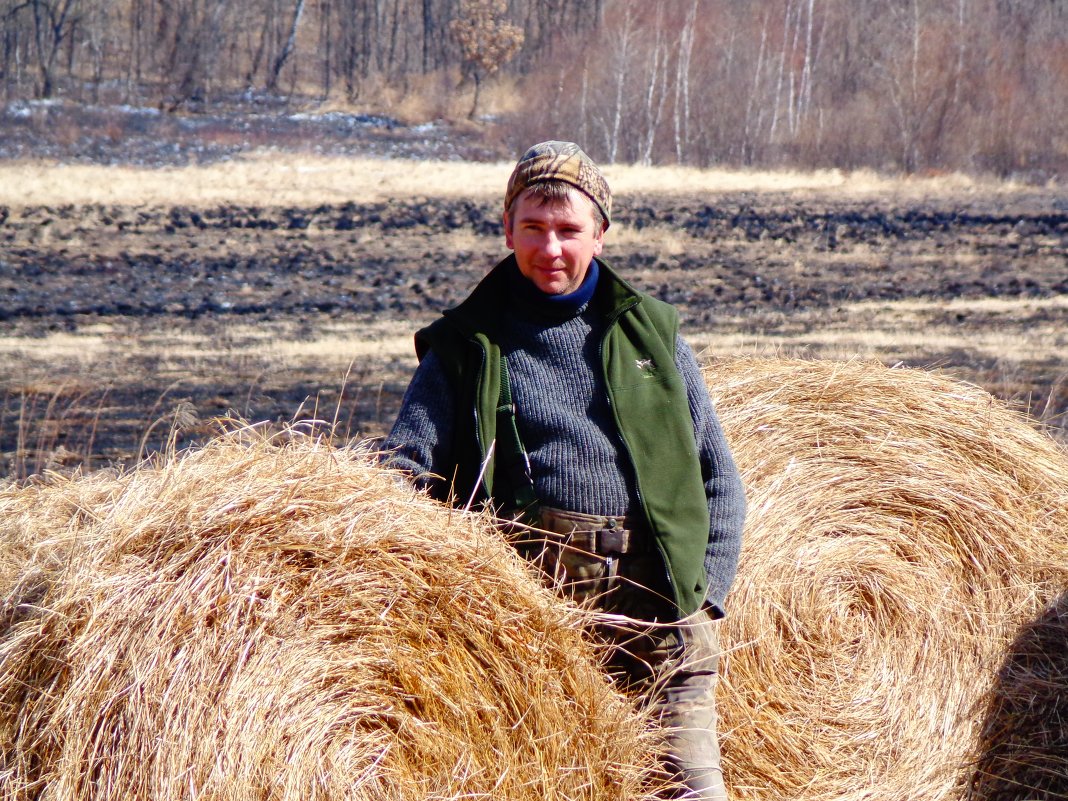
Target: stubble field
x=139 y=305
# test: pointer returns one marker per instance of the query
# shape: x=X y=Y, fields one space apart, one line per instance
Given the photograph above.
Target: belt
x=599 y=534
x=606 y=541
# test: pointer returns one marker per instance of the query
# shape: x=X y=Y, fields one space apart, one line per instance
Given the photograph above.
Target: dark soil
x=61 y=265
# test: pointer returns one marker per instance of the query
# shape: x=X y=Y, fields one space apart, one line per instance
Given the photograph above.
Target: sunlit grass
x=910 y=331
x=271 y=178
x=330 y=346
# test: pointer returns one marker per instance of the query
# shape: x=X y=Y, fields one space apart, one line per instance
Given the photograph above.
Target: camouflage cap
x=560 y=161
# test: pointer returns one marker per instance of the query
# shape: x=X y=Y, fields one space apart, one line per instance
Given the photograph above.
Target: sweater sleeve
x=421 y=442
x=723 y=483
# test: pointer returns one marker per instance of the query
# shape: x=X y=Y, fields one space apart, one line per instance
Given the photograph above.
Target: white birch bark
x=682 y=86
x=287 y=48
x=752 y=127
x=782 y=71
x=805 y=95
x=622 y=61
x=655 y=90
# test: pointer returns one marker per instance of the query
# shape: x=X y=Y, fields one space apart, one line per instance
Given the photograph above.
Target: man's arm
x=723 y=483
x=421 y=441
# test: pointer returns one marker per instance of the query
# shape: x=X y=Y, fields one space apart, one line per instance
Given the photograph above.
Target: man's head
x=557 y=208
x=564 y=162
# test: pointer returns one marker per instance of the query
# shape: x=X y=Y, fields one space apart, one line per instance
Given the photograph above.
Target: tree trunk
x=656 y=68
x=682 y=86
x=476 y=73
x=782 y=68
x=752 y=127
x=622 y=61
x=325 y=49
x=287 y=49
x=50 y=29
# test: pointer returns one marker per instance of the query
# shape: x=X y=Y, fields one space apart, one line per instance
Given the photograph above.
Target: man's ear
x=508 y=231
x=598 y=240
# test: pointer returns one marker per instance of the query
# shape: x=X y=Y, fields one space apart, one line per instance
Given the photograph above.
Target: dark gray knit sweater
x=576 y=455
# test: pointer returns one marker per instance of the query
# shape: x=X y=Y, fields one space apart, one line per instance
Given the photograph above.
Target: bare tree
x=621 y=45
x=655 y=89
x=755 y=109
x=913 y=84
x=50 y=24
x=191 y=36
x=916 y=66
x=681 y=112
x=287 y=48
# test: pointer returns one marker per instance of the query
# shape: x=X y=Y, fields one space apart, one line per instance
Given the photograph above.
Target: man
x=566 y=398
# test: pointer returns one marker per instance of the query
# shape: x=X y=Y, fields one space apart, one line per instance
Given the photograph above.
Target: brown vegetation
x=905 y=538
x=271 y=618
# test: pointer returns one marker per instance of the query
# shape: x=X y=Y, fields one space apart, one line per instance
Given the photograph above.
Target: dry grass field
x=138 y=304
x=271 y=178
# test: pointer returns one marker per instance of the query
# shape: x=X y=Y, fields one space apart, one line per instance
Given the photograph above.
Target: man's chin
x=553 y=287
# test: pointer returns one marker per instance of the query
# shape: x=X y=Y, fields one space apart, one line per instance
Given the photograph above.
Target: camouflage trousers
x=609 y=564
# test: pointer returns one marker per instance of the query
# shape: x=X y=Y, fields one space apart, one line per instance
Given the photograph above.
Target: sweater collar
x=560 y=307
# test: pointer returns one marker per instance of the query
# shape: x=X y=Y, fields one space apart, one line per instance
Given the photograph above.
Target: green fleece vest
x=646 y=394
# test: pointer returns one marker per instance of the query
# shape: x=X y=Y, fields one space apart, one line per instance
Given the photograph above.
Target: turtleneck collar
x=561 y=307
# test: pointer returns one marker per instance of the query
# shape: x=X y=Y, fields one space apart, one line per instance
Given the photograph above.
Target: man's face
x=554 y=242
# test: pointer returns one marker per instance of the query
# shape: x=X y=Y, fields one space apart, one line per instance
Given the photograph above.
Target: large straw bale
x=252 y=621
x=1023 y=746
x=903 y=530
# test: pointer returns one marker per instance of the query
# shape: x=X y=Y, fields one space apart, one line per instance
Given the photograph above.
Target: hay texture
x=1023 y=746
x=906 y=547
x=262 y=621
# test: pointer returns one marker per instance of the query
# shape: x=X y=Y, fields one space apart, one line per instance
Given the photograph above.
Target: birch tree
x=621 y=45
x=655 y=89
x=681 y=107
x=755 y=108
x=50 y=23
x=287 y=48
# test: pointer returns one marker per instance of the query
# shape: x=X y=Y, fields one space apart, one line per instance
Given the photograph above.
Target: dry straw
x=262 y=621
x=258 y=621
x=897 y=627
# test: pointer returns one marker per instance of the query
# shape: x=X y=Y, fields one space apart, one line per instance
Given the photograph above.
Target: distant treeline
x=913 y=85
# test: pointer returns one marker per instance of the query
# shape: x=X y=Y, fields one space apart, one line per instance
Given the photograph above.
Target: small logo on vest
x=645 y=365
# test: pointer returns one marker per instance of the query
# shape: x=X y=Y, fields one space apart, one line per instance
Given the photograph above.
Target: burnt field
x=125 y=326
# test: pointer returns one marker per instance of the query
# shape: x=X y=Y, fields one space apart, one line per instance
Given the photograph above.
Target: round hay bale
x=902 y=528
x=252 y=621
x=1023 y=747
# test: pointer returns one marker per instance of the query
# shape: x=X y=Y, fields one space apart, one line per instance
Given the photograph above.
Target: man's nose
x=552 y=244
